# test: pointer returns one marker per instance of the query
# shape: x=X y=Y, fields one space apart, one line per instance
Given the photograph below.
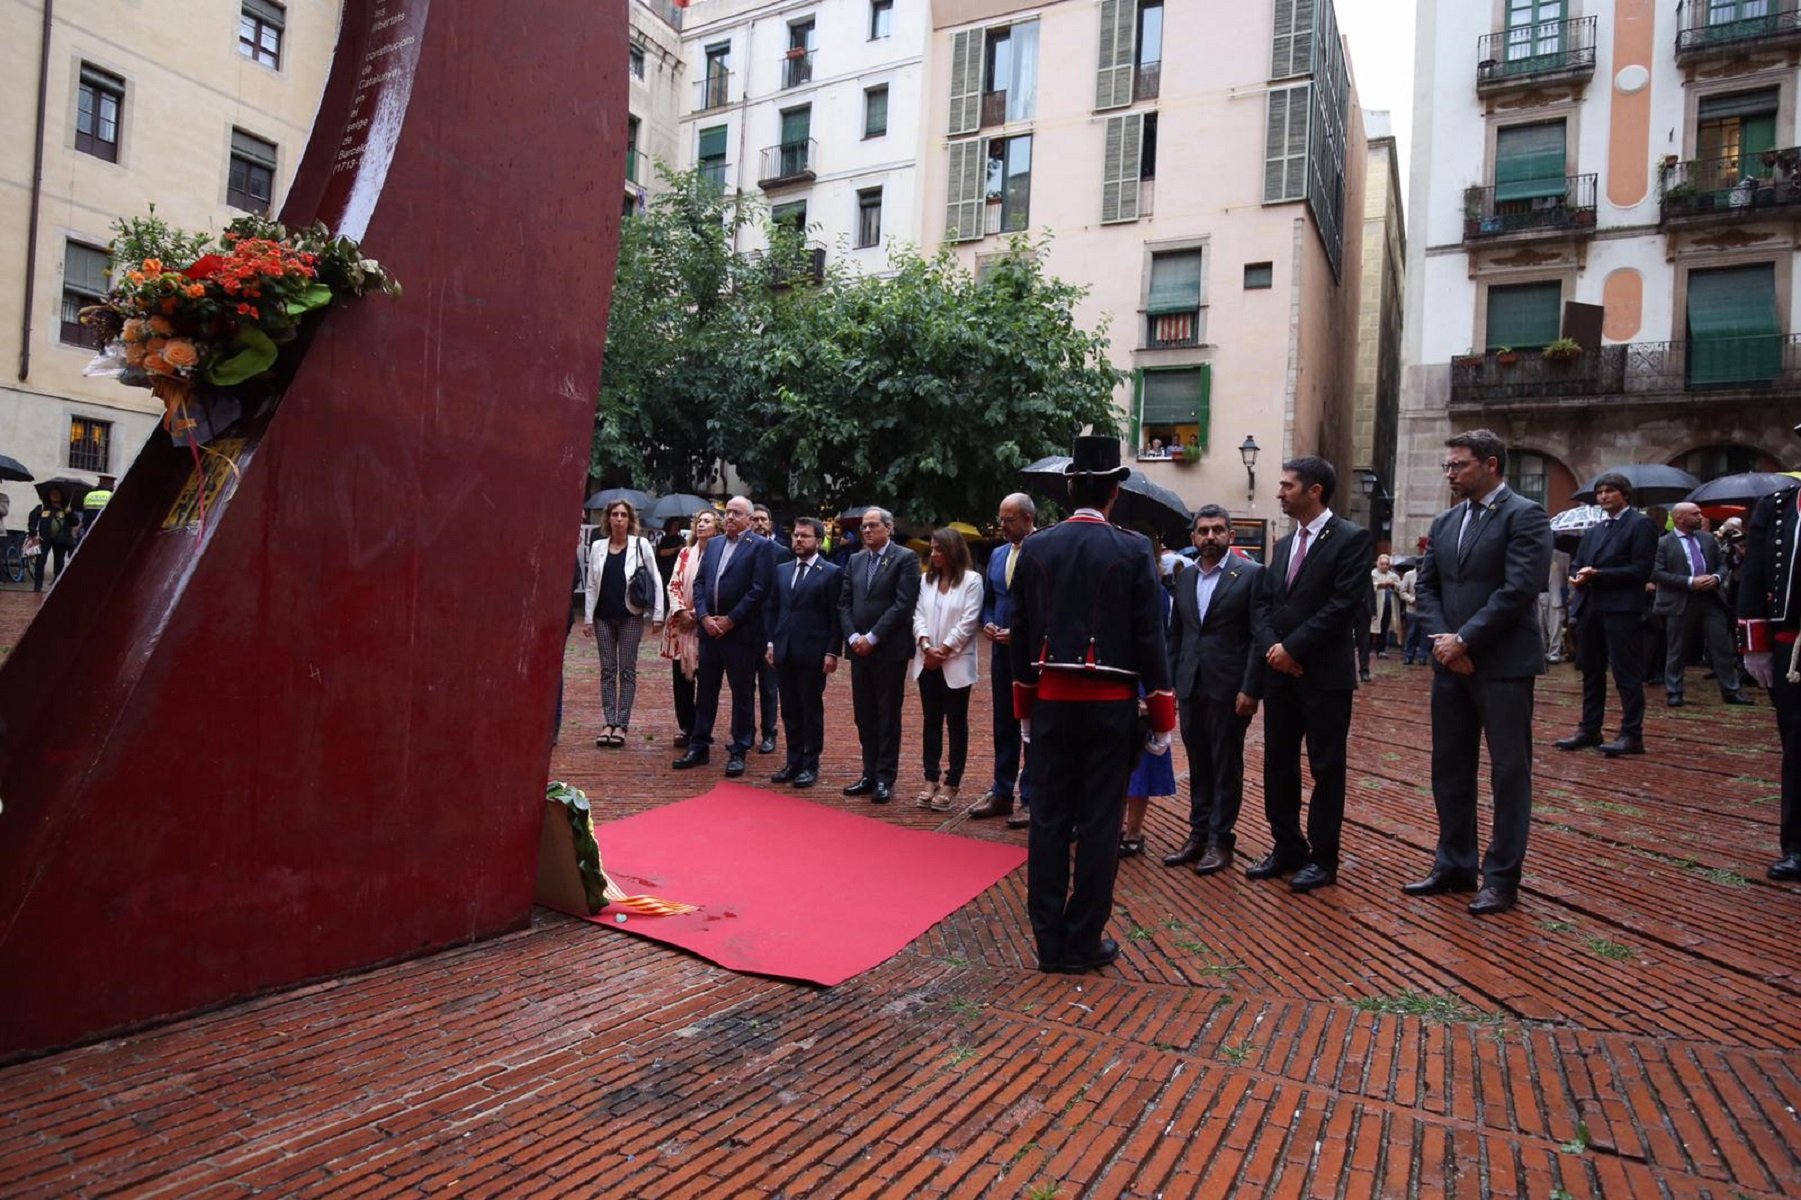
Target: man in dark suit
x=1307 y=623
x=1219 y=682
x=1087 y=626
x=1477 y=593
x=804 y=646
x=762 y=523
x=736 y=577
x=1018 y=518
x=1769 y=610
x=1691 y=596
x=875 y=614
x=1607 y=601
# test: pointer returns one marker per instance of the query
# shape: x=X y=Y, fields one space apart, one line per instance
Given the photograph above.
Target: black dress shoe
x=767 y=745
x=734 y=766
x=1580 y=740
x=1623 y=745
x=696 y=757
x=1674 y=702
x=1787 y=869
x=1736 y=698
x=1439 y=882
x=681 y=741
x=862 y=787
x=1217 y=858
x=1272 y=866
x=992 y=804
x=1103 y=955
x=1311 y=876
x=1493 y=900
x=883 y=793
x=785 y=775
x=1191 y=852
x=806 y=779
x=1021 y=818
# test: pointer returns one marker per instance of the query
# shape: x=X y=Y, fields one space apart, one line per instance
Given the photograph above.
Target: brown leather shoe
x=1020 y=818
x=991 y=804
x=1191 y=852
x=1216 y=859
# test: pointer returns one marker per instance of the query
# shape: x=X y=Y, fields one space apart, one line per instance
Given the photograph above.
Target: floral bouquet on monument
x=186 y=314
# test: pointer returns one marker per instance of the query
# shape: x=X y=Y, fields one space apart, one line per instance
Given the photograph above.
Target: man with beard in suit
x=1478 y=604
x=1219 y=682
x=1607 y=599
x=1691 y=595
x=736 y=576
x=875 y=614
x=804 y=645
x=1308 y=628
x=1769 y=610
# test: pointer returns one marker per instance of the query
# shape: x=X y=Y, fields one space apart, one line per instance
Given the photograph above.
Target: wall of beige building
x=657 y=90
x=187 y=86
x=1375 y=409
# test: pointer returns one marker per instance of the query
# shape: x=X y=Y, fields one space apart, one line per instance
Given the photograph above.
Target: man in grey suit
x=875 y=609
x=1219 y=682
x=1478 y=592
x=1691 y=594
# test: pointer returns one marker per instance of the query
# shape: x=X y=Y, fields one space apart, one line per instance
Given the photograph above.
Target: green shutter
x=966 y=81
x=796 y=125
x=1113 y=78
x=1732 y=326
x=1175 y=282
x=963 y=208
x=1525 y=316
x=712 y=143
x=1175 y=397
x=1529 y=162
x=1291 y=44
x=1761 y=103
x=1137 y=406
x=1121 y=161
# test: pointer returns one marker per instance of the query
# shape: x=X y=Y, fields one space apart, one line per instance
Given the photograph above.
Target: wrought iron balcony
x=1684 y=372
x=714 y=175
x=1741 y=187
x=712 y=92
x=788 y=163
x=1172 y=330
x=1147 y=81
x=1548 y=52
x=797 y=68
x=1568 y=209
x=1724 y=28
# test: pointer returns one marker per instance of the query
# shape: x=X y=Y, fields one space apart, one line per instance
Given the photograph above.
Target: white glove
x=1157 y=743
x=1761 y=667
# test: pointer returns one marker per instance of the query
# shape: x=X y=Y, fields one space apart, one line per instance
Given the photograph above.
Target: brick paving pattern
x=1630 y=1030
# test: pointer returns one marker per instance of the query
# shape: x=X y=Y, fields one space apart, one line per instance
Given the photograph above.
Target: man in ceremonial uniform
x=1769 y=610
x=1087 y=639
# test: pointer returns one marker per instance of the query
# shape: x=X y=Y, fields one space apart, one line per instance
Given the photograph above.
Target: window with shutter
x=1174 y=409
x=250 y=184
x=1113 y=78
x=84 y=285
x=1173 y=310
x=966 y=81
x=711 y=156
x=1524 y=316
x=1529 y=162
x=1291 y=50
x=1734 y=334
x=1121 y=159
x=1285 y=145
x=963 y=212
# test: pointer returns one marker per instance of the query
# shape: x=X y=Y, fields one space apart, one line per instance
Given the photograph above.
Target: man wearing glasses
x=875 y=609
x=735 y=581
x=1477 y=593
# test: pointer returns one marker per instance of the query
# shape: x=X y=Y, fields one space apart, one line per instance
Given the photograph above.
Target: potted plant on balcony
x=795 y=52
x=1469 y=360
x=1563 y=350
x=1507 y=356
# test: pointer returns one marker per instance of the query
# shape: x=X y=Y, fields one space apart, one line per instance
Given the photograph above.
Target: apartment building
x=204 y=116
x=655 y=97
x=1202 y=173
x=813 y=105
x=1606 y=200
x=1376 y=399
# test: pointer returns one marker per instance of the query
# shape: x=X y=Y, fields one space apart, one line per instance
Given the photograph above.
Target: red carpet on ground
x=791 y=888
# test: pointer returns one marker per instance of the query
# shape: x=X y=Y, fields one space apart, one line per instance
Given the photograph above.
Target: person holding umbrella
x=55 y=525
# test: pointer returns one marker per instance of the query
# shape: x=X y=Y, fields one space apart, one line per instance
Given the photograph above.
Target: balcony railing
x=712 y=92
x=797 y=68
x=790 y=162
x=714 y=175
x=1720 y=28
x=1147 y=81
x=1742 y=186
x=1171 y=331
x=1545 y=52
x=994 y=109
x=1639 y=371
x=1569 y=207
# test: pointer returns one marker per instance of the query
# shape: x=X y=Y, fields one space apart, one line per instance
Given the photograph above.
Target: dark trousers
x=1213 y=736
x=1786 y=697
x=1082 y=755
x=1615 y=639
x=39 y=562
x=768 y=697
x=735 y=664
x=684 y=698
x=1292 y=714
x=943 y=705
x=802 y=687
x=1707 y=616
x=1413 y=647
x=1466 y=710
x=1009 y=748
x=877 y=687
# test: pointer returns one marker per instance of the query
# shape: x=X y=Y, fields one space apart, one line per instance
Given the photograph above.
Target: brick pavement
x=1629 y=1030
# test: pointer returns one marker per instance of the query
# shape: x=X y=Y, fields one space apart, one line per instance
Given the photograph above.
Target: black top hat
x=1098 y=456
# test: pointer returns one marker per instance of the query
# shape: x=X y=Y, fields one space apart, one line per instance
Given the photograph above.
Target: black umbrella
x=855 y=511
x=1652 y=483
x=632 y=496
x=1142 y=502
x=74 y=490
x=13 y=469
x=1048 y=471
x=1746 y=489
x=677 y=507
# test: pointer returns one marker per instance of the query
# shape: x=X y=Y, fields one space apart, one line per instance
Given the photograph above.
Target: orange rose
x=161 y=325
x=156 y=364
x=156 y=344
x=153 y=265
x=134 y=331
x=135 y=276
x=180 y=353
x=196 y=290
x=134 y=354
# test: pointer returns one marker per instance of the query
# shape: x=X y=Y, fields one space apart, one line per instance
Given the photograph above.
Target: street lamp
x=1367 y=480
x=1247 y=450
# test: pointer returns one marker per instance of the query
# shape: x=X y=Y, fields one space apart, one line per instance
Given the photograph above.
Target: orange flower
x=196 y=290
x=180 y=353
x=135 y=276
x=153 y=266
x=248 y=310
x=134 y=354
x=170 y=305
x=155 y=345
x=156 y=364
x=161 y=325
x=134 y=331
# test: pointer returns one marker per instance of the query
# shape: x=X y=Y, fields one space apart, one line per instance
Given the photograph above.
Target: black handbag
x=640 y=590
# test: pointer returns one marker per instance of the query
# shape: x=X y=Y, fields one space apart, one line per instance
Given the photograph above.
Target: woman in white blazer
x=614 y=618
x=944 y=661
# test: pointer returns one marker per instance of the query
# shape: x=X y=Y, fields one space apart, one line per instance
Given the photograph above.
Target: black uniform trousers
x=769 y=690
x=1467 y=710
x=877 y=687
x=1786 y=697
x=1008 y=746
x=1292 y=713
x=802 y=687
x=1615 y=639
x=1213 y=736
x=1081 y=756
x=736 y=664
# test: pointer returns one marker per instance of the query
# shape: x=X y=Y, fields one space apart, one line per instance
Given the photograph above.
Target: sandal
x=945 y=800
x=619 y=732
x=1131 y=847
x=926 y=796
x=609 y=737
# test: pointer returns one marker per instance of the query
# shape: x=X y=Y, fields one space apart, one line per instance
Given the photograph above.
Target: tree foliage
x=924 y=390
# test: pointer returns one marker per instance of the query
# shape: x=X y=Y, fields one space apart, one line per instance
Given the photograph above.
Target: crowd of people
x=1098 y=657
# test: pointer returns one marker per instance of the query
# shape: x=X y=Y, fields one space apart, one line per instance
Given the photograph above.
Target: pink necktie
x=1300 y=552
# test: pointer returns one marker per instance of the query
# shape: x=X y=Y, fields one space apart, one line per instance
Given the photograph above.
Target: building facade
x=205 y=117
x=1606 y=197
x=655 y=94
x=1376 y=403
x=1202 y=175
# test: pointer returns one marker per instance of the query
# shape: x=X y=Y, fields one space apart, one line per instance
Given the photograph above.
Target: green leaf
x=316 y=295
x=256 y=355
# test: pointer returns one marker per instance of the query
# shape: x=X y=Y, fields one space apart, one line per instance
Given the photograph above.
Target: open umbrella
x=1567 y=527
x=632 y=496
x=13 y=469
x=969 y=532
x=74 y=490
x=1652 y=483
x=1142 y=502
x=677 y=507
x=855 y=511
x=1048 y=471
x=1741 y=490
